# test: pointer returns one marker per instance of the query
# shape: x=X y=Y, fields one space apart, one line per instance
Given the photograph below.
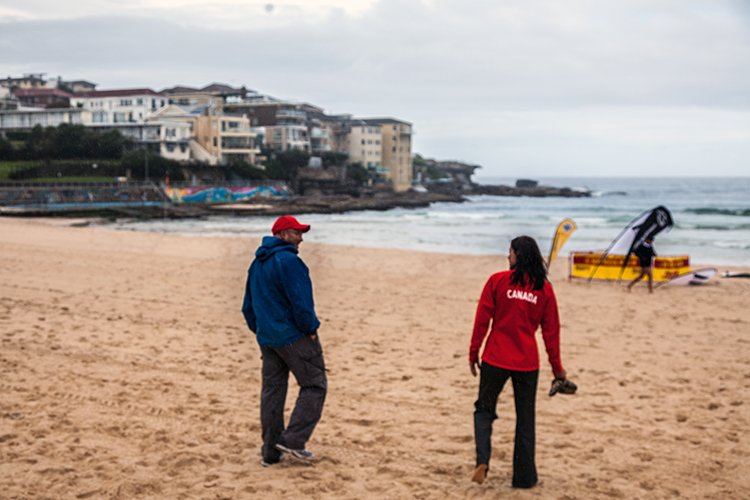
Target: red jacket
x=516 y=312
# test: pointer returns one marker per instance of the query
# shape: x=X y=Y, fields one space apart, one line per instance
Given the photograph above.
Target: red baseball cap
x=288 y=222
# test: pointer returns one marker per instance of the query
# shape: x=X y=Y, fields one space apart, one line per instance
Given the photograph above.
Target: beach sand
x=127 y=372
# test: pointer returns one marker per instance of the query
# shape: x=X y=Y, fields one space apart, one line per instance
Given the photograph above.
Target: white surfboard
x=695 y=277
x=730 y=274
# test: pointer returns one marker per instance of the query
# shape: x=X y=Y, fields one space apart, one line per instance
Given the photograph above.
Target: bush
x=244 y=170
x=6 y=150
x=158 y=166
x=333 y=159
x=64 y=168
x=283 y=166
x=69 y=142
x=17 y=135
x=357 y=173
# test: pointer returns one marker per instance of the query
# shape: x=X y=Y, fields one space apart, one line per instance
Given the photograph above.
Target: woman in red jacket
x=516 y=302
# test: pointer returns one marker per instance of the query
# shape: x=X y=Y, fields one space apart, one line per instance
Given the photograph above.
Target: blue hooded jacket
x=278 y=303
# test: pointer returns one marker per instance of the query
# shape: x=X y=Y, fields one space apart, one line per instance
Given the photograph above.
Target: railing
x=76 y=184
x=63 y=196
x=237 y=183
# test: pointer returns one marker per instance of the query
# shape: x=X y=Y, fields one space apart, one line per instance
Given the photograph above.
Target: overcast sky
x=532 y=88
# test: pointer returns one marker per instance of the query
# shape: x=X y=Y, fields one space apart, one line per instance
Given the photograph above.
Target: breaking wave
x=741 y=212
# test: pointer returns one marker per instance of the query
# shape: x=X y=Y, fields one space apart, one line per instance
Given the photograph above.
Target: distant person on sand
x=279 y=309
x=645 y=253
x=516 y=302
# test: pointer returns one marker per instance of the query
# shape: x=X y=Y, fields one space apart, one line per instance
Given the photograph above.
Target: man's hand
x=474 y=367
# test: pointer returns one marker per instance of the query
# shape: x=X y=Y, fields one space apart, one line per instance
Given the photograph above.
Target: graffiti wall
x=214 y=194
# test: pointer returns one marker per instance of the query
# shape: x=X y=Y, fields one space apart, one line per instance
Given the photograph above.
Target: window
x=139 y=102
x=227 y=126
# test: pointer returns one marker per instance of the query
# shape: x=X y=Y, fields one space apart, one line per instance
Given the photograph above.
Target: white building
x=28 y=118
x=119 y=106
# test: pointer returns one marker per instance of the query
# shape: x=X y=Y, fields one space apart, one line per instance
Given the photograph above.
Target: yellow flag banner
x=563 y=232
x=582 y=264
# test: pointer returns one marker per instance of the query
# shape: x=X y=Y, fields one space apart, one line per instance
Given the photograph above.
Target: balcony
x=237 y=143
x=231 y=127
x=291 y=114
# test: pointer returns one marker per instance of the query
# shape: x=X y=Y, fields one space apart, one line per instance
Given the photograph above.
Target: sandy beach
x=127 y=372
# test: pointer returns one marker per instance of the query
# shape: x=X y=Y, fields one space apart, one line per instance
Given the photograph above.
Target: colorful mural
x=205 y=194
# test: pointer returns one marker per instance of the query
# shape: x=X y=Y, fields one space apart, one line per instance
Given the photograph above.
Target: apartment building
x=226 y=138
x=396 y=150
x=380 y=144
x=28 y=81
x=120 y=105
x=211 y=95
x=43 y=97
x=215 y=138
x=364 y=145
x=286 y=125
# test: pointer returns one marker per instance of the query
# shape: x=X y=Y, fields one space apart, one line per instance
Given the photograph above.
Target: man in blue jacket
x=279 y=309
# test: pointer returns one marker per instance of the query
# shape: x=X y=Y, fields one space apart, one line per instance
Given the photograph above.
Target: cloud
x=466 y=70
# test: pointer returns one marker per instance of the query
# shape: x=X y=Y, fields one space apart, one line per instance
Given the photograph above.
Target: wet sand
x=126 y=371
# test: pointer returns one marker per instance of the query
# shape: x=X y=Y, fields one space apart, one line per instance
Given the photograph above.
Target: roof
x=223 y=88
x=32 y=78
x=381 y=121
x=39 y=92
x=79 y=82
x=171 y=110
x=116 y=93
x=179 y=90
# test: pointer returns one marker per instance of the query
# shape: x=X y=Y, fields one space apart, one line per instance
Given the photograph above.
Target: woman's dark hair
x=529 y=263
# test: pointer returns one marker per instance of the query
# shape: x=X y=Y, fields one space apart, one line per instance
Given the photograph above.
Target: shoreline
x=108 y=224
x=319 y=203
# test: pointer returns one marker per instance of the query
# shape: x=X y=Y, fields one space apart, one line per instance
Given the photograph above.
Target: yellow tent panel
x=582 y=264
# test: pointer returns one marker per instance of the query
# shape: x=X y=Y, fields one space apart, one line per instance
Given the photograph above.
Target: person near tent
x=645 y=253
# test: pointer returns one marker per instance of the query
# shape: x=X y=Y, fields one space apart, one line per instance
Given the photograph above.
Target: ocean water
x=711 y=215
